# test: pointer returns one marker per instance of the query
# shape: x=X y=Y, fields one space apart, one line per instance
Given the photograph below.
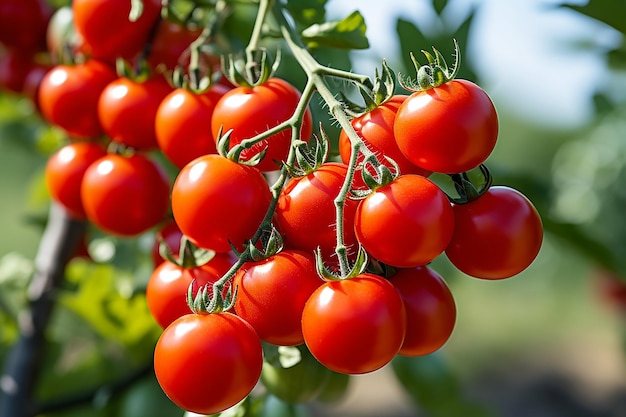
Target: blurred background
x=548 y=342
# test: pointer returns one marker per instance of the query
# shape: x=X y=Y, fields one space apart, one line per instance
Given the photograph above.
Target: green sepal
x=433 y=74
x=347 y=33
x=310 y=155
x=383 y=89
x=381 y=175
x=254 y=69
x=466 y=189
x=208 y=300
x=358 y=267
x=138 y=73
x=272 y=243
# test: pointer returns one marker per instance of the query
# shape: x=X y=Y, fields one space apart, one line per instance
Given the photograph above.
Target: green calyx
x=209 y=299
x=189 y=255
x=433 y=74
x=251 y=70
x=358 y=267
x=469 y=189
x=309 y=155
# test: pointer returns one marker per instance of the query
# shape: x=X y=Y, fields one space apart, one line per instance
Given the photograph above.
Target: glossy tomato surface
x=451 y=128
x=125 y=195
x=271 y=295
x=206 y=363
x=497 y=235
x=306 y=212
x=216 y=201
x=406 y=223
x=64 y=174
x=430 y=309
x=181 y=124
x=68 y=97
x=252 y=110
x=107 y=31
x=355 y=325
x=127 y=110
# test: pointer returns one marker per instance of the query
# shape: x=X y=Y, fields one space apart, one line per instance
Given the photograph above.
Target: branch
x=21 y=367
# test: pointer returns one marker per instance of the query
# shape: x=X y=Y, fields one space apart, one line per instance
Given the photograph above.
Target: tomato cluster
x=332 y=259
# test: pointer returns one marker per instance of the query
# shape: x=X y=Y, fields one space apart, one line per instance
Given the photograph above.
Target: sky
x=528 y=58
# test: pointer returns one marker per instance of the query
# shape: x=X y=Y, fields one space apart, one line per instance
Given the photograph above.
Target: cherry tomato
x=127 y=110
x=296 y=384
x=166 y=292
x=430 y=310
x=181 y=124
x=451 y=128
x=206 y=363
x=107 y=31
x=271 y=295
x=170 y=42
x=305 y=213
x=355 y=325
x=23 y=24
x=64 y=173
x=406 y=223
x=496 y=236
x=216 y=202
x=125 y=195
x=252 y=110
x=376 y=130
x=68 y=97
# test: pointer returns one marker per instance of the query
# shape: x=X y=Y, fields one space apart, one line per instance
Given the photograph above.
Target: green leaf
x=439 y=5
x=609 y=12
x=348 y=33
x=307 y=12
x=434 y=388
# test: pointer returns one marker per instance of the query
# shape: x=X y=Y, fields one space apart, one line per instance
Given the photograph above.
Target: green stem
x=257 y=30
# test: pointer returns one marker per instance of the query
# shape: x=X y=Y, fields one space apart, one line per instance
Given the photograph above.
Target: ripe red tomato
x=65 y=170
x=68 y=97
x=376 y=130
x=170 y=42
x=125 y=195
x=206 y=363
x=496 y=236
x=305 y=213
x=23 y=24
x=127 y=110
x=216 y=201
x=430 y=310
x=406 y=223
x=250 y=111
x=271 y=295
x=181 y=124
x=451 y=128
x=355 y=325
x=167 y=287
x=107 y=31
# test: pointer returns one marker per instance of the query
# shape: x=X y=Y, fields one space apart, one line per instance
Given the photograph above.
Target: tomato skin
x=497 y=235
x=170 y=43
x=305 y=212
x=271 y=295
x=206 y=363
x=406 y=223
x=376 y=130
x=451 y=128
x=180 y=124
x=68 y=97
x=23 y=24
x=64 y=174
x=430 y=310
x=252 y=110
x=125 y=196
x=127 y=110
x=216 y=200
x=107 y=31
x=168 y=285
x=355 y=325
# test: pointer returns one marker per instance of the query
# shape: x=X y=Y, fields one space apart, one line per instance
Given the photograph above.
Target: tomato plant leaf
x=348 y=33
x=307 y=12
